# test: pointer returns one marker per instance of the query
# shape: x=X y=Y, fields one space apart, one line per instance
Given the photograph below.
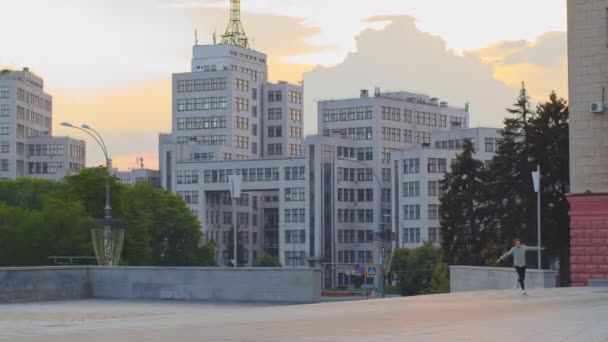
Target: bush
x=268 y=261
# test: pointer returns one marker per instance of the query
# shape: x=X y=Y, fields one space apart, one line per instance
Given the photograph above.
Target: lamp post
x=235 y=182
x=108 y=254
x=536 y=181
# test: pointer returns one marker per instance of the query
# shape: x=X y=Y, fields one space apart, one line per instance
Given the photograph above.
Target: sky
x=108 y=63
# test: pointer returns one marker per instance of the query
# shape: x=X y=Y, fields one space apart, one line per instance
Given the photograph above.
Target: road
x=572 y=314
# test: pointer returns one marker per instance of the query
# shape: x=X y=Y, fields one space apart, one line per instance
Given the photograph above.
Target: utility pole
x=536 y=180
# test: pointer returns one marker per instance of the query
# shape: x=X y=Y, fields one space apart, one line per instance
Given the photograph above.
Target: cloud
x=542 y=64
x=401 y=57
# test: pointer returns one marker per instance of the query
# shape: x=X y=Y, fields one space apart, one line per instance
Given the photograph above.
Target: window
x=4 y=109
x=241 y=123
x=294 y=194
x=254 y=94
x=294 y=215
x=275 y=149
x=411 y=235
x=411 y=212
x=432 y=165
x=441 y=165
x=275 y=131
x=295 y=150
x=241 y=85
x=295 y=115
x=489 y=144
x=411 y=189
x=226 y=217
x=241 y=142
x=386 y=175
x=433 y=211
x=5 y=129
x=275 y=113
x=411 y=165
x=295 y=258
x=295 y=132
x=435 y=235
x=187 y=177
x=5 y=92
x=4 y=147
x=254 y=147
x=295 y=97
x=294 y=173
x=347 y=114
x=295 y=236
x=254 y=111
x=4 y=165
x=241 y=104
x=435 y=189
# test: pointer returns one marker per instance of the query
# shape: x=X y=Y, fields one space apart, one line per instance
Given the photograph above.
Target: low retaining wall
x=30 y=284
x=183 y=283
x=473 y=278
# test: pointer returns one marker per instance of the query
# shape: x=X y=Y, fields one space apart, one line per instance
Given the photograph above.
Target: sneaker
x=524 y=292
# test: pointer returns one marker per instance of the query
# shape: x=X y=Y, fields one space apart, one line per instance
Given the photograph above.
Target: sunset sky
x=108 y=63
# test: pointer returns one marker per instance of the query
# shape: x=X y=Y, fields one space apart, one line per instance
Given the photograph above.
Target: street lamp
x=235 y=182
x=536 y=180
x=105 y=241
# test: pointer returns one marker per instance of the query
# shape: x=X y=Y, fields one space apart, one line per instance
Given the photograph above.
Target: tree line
x=41 y=218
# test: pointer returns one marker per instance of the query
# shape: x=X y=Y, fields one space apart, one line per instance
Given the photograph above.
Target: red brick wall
x=588 y=238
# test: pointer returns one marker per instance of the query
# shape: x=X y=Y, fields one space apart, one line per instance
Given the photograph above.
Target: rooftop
x=577 y=314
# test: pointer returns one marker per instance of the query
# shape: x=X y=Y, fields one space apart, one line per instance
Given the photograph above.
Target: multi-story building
x=417 y=184
x=226 y=113
x=588 y=80
x=27 y=148
x=138 y=175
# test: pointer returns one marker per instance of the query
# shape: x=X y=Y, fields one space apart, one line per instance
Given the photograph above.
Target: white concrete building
x=27 y=148
x=417 y=187
x=137 y=175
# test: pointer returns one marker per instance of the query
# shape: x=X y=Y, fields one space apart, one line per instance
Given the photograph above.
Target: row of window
x=297 y=258
x=347 y=114
x=348 y=195
x=412 y=235
x=295 y=236
x=241 y=142
x=45 y=149
x=352 y=133
x=416 y=117
x=295 y=194
x=47 y=168
x=33 y=117
x=206 y=84
x=409 y=136
x=412 y=212
x=203 y=140
x=434 y=165
x=249 y=175
x=5 y=109
x=348 y=174
x=361 y=153
x=455 y=144
x=202 y=103
x=363 y=215
x=209 y=122
x=241 y=123
x=355 y=236
x=352 y=257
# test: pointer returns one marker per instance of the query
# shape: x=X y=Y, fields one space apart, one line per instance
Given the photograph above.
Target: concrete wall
x=186 y=283
x=243 y=284
x=29 y=284
x=473 y=278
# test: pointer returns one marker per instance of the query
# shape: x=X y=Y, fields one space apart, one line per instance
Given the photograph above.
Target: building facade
x=27 y=147
x=418 y=175
x=588 y=80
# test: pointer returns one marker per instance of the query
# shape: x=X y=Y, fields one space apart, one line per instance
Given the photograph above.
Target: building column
x=588 y=237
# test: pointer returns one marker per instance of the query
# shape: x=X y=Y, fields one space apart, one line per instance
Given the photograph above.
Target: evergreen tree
x=463 y=229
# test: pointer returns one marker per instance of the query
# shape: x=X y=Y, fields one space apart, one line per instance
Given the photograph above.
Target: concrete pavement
x=571 y=314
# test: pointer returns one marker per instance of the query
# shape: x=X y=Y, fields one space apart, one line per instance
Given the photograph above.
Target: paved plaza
x=572 y=314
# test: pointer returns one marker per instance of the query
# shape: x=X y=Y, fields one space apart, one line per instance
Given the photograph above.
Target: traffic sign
x=371 y=271
x=361 y=270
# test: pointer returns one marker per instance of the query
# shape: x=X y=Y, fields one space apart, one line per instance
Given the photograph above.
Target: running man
x=519 y=261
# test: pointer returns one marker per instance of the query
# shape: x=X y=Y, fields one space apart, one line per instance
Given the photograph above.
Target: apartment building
x=27 y=147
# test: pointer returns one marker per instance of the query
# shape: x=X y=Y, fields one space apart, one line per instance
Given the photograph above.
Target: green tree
x=414 y=268
x=268 y=261
x=440 y=279
x=89 y=187
x=462 y=210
